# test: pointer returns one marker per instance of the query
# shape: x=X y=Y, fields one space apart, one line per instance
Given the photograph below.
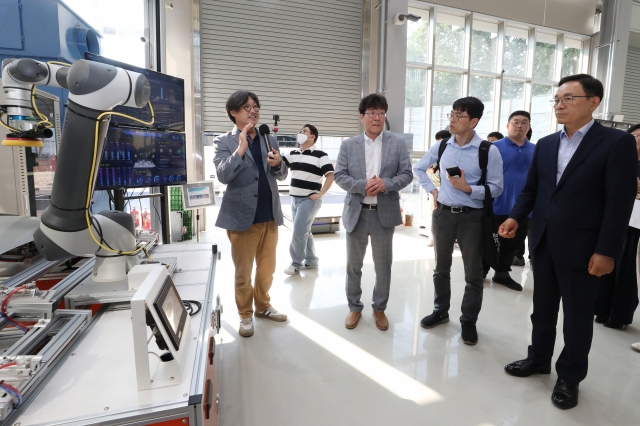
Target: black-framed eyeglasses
x=566 y=100
x=372 y=114
x=454 y=116
x=248 y=107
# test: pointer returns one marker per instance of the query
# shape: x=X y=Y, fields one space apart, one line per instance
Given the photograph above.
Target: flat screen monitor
x=171 y=310
x=167 y=98
x=136 y=158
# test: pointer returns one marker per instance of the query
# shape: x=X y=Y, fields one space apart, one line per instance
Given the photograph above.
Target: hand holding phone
x=454 y=172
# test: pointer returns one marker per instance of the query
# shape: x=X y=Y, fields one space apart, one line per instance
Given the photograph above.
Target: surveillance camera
x=400 y=19
x=412 y=17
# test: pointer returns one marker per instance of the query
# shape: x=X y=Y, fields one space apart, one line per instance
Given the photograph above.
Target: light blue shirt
x=568 y=147
x=465 y=157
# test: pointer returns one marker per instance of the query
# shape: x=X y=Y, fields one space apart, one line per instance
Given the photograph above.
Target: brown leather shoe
x=352 y=320
x=381 y=320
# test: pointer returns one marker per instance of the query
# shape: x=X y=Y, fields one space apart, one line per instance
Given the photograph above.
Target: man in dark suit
x=581 y=188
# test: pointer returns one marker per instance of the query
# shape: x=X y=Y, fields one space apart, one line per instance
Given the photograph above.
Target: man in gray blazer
x=372 y=168
x=250 y=210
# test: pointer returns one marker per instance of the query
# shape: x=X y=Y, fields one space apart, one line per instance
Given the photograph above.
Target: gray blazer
x=351 y=172
x=240 y=200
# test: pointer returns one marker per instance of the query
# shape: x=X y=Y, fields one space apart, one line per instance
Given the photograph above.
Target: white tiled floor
x=312 y=371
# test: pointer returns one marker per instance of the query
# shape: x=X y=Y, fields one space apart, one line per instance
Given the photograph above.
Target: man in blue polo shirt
x=517 y=154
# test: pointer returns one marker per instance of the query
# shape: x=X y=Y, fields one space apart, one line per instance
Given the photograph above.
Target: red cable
x=5 y=302
x=8 y=365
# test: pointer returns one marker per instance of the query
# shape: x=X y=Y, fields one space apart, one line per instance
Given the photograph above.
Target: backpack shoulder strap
x=483 y=160
x=441 y=148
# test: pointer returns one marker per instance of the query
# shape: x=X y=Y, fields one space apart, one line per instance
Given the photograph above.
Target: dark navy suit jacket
x=588 y=210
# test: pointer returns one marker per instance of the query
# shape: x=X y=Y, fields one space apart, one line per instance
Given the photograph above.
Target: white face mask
x=302 y=138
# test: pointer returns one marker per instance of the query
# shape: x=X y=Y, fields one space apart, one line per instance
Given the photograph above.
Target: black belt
x=370 y=206
x=456 y=209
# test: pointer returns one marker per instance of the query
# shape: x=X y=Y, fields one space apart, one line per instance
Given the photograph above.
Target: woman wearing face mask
x=308 y=165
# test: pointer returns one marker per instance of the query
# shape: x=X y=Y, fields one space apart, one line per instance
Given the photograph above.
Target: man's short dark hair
x=520 y=112
x=633 y=128
x=237 y=100
x=472 y=106
x=591 y=86
x=373 y=101
x=496 y=135
x=313 y=131
x=443 y=134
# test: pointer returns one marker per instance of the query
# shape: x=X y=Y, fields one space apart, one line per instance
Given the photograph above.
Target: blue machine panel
x=11 y=24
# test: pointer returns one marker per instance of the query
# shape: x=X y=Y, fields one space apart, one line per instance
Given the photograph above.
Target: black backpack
x=490 y=241
x=483 y=158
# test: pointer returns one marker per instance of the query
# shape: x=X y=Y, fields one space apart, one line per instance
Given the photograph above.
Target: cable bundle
x=3 y=310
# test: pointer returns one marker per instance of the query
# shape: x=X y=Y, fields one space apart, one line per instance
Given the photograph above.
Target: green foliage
x=544 y=61
x=415 y=87
x=570 y=61
x=449 y=45
x=515 y=55
x=540 y=90
x=512 y=89
x=483 y=51
x=418 y=43
x=482 y=88
x=446 y=87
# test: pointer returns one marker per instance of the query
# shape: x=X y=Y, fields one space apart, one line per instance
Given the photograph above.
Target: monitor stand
x=151 y=372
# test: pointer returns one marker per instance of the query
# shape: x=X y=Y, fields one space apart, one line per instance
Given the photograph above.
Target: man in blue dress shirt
x=517 y=154
x=459 y=213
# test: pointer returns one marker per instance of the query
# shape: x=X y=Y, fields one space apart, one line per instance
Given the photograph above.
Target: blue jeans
x=302 y=250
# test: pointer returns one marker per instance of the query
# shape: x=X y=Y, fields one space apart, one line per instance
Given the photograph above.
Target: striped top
x=307 y=169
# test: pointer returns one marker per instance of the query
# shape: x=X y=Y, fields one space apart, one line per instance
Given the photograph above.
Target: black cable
x=111 y=200
x=157 y=212
x=188 y=305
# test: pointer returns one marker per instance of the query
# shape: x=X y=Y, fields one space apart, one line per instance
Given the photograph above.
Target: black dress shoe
x=610 y=324
x=469 y=334
x=526 y=367
x=600 y=319
x=564 y=395
x=507 y=282
x=436 y=318
x=518 y=261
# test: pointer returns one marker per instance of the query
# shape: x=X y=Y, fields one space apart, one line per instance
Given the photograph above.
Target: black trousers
x=617 y=297
x=577 y=290
x=508 y=246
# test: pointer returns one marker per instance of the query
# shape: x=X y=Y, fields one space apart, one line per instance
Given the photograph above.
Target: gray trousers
x=382 y=247
x=467 y=229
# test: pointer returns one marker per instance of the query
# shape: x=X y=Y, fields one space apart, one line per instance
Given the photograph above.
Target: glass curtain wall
x=508 y=65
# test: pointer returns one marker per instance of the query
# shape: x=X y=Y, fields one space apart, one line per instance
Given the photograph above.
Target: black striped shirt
x=307 y=169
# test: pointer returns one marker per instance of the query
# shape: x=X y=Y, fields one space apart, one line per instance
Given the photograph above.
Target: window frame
x=534 y=33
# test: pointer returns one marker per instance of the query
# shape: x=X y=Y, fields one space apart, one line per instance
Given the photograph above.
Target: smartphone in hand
x=454 y=171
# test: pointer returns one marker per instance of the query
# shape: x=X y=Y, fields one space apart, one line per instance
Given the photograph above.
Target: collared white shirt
x=568 y=147
x=372 y=157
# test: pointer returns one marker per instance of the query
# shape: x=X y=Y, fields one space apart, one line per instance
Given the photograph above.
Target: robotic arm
x=95 y=89
x=19 y=76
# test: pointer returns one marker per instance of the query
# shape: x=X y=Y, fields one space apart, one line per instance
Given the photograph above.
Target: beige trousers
x=258 y=244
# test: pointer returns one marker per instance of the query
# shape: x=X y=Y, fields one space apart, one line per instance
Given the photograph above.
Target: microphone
x=265 y=132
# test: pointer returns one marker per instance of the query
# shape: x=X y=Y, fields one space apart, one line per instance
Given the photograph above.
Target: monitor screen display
x=136 y=158
x=167 y=99
x=171 y=311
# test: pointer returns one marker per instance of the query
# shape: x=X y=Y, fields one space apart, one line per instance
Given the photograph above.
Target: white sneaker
x=307 y=266
x=246 y=327
x=272 y=314
x=636 y=347
x=430 y=242
x=291 y=270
